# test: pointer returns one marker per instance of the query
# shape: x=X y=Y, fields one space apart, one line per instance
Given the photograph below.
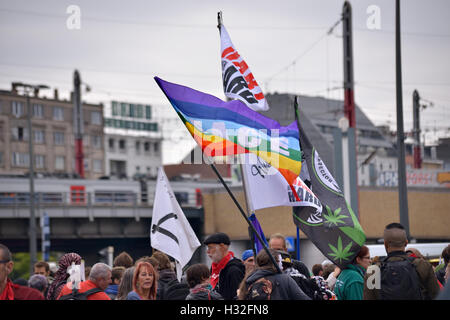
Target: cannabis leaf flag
x=335 y=230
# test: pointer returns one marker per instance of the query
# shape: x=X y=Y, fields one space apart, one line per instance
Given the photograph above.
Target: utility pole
x=402 y=188
x=416 y=130
x=32 y=221
x=349 y=143
x=78 y=124
x=349 y=102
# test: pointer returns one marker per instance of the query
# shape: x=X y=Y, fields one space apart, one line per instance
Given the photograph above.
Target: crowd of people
x=401 y=275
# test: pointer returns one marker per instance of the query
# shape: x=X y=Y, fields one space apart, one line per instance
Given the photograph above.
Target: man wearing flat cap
x=227 y=271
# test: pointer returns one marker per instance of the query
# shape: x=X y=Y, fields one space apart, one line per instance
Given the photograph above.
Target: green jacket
x=350 y=283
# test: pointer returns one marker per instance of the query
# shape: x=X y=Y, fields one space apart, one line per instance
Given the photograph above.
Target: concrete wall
x=429 y=214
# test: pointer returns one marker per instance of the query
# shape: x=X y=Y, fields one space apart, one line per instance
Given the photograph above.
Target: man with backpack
x=91 y=289
x=401 y=277
x=265 y=283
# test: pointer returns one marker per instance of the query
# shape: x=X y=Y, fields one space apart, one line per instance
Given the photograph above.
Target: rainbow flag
x=230 y=128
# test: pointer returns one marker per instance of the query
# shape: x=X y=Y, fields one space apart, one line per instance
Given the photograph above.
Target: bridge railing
x=95 y=199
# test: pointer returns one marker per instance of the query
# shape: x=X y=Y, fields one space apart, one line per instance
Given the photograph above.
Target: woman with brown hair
x=350 y=283
x=144 y=282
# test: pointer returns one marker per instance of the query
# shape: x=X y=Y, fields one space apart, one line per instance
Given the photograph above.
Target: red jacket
x=85 y=286
x=21 y=292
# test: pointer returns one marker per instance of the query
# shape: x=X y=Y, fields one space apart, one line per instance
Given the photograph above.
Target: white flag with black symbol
x=170 y=231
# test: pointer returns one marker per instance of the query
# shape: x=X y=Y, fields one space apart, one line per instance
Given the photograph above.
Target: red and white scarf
x=8 y=292
x=217 y=267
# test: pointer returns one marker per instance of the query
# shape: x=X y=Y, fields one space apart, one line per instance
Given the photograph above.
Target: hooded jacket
x=350 y=283
x=283 y=286
x=230 y=278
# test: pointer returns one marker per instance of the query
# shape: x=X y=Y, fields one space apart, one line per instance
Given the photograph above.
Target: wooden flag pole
x=245 y=217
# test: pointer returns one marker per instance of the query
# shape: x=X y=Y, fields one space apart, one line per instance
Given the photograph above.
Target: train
x=48 y=191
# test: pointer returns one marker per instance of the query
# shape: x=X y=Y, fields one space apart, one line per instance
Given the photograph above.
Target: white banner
x=170 y=231
x=266 y=187
x=238 y=81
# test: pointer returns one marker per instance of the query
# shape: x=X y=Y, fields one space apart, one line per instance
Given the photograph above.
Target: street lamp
x=32 y=227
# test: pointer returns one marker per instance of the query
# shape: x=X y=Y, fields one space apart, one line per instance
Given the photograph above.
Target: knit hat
x=217 y=238
x=247 y=254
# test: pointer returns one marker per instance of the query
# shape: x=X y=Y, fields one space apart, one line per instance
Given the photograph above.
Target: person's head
x=101 y=275
x=123 y=260
x=217 y=246
x=317 y=270
x=152 y=260
x=395 y=237
x=163 y=261
x=363 y=257
x=416 y=253
x=447 y=273
x=197 y=274
x=116 y=274
x=145 y=280
x=42 y=268
x=6 y=264
x=328 y=268
x=126 y=284
x=277 y=242
x=249 y=260
x=39 y=282
x=446 y=254
x=264 y=262
x=65 y=262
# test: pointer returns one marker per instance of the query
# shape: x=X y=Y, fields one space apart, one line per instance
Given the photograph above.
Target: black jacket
x=165 y=276
x=283 y=286
x=230 y=278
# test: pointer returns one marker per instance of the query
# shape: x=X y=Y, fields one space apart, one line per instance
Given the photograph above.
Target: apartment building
x=52 y=135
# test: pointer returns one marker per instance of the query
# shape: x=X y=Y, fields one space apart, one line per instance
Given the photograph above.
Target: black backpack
x=399 y=280
x=175 y=290
x=76 y=295
x=261 y=289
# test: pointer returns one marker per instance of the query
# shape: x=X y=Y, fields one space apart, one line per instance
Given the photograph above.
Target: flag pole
x=245 y=217
x=248 y=203
x=244 y=183
x=298 y=125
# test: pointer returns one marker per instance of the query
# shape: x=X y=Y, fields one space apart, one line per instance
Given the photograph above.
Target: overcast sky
x=121 y=45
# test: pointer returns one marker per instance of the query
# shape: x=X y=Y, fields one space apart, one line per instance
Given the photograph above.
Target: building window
x=140 y=111
x=148 y=112
x=20 y=133
x=156 y=147
x=17 y=108
x=147 y=146
x=58 y=113
x=59 y=162
x=58 y=138
x=123 y=110
x=122 y=145
x=20 y=159
x=96 y=118
x=39 y=136
x=132 y=110
x=38 y=110
x=97 y=141
x=138 y=147
x=115 y=108
x=39 y=161
x=97 y=166
x=111 y=143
